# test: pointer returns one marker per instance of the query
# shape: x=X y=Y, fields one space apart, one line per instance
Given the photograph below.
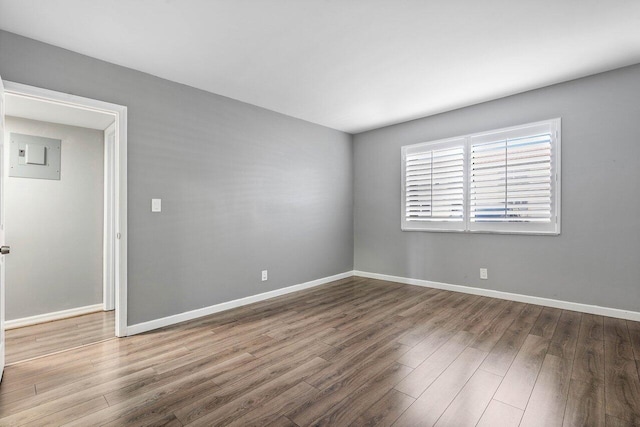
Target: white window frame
x=502 y=227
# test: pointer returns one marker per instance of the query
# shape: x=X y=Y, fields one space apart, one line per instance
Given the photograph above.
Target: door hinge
x=118 y=236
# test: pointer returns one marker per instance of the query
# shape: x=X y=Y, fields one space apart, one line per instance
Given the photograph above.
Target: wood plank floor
x=51 y=337
x=357 y=352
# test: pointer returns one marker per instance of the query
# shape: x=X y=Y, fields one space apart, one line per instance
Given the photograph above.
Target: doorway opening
x=68 y=228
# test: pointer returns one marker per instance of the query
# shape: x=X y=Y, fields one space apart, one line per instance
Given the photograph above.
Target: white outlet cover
x=484 y=274
x=265 y=275
x=156 y=205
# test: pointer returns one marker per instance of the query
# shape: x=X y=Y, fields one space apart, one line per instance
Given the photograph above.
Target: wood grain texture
x=634 y=334
x=548 y=400
x=357 y=352
x=431 y=404
x=51 y=337
x=502 y=354
x=469 y=405
x=521 y=376
x=585 y=404
x=425 y=374
x=588 y=364
x=549 y=397
x=500 y=414
x=385 y=411
x=545 y=326
x=622 y=385
x=586 y=399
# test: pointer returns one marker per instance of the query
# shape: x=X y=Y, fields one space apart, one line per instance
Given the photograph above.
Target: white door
x=3 y=250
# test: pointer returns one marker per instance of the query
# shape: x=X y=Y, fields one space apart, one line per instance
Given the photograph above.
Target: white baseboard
x=48 y=317
x=205 y=311
x=565 y=305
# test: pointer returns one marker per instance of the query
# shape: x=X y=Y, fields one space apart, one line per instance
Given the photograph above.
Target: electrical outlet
x=483 y=274
x=264 y=275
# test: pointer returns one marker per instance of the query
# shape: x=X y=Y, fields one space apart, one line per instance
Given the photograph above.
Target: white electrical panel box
x=34 y=157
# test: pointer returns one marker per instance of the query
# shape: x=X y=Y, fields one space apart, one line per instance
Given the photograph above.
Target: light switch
x=156 y=205
x=34 y=154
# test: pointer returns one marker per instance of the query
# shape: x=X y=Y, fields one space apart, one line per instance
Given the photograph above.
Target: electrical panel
x=34 y=157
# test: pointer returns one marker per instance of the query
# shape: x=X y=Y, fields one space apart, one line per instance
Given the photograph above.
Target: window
x=503 y=181
x=434 y=185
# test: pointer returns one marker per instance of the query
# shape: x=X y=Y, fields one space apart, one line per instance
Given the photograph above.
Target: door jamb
x=108 y=269
x=119 y=182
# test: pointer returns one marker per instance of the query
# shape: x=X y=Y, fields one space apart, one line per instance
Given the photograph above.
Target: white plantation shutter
x=505 y=181
x=433 y=187
x=512 y=179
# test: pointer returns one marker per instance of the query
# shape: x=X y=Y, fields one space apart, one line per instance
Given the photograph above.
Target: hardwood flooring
x=51 y=337
x=357 y=352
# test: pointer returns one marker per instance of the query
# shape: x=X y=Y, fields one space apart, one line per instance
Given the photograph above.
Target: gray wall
x=593 y=261
x=243 y=189
x=55 y=226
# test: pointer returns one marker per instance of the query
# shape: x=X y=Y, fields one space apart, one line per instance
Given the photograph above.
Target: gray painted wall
x=593 y=261
x=243 y=189
x=55 y=226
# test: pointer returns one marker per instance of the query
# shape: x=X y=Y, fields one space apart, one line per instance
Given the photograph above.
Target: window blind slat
x=509 y=219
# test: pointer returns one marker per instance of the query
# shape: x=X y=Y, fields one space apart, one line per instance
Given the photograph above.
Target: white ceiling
x=351 y=65
x=44 y=111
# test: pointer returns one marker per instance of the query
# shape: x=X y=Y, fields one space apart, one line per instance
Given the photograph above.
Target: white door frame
x=117 y=236
x=108 y=268
x=2 y=261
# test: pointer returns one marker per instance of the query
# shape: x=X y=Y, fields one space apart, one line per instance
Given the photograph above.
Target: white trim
x=2 y=240
x=548 y=302
x=205 y=311
x=109 y=238
x=120 y=185
x=49 y=317
x=120 y=199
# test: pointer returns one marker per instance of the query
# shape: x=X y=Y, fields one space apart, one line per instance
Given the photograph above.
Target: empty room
x=319 y=212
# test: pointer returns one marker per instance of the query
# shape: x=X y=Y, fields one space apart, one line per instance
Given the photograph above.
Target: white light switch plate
x=156 y=205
